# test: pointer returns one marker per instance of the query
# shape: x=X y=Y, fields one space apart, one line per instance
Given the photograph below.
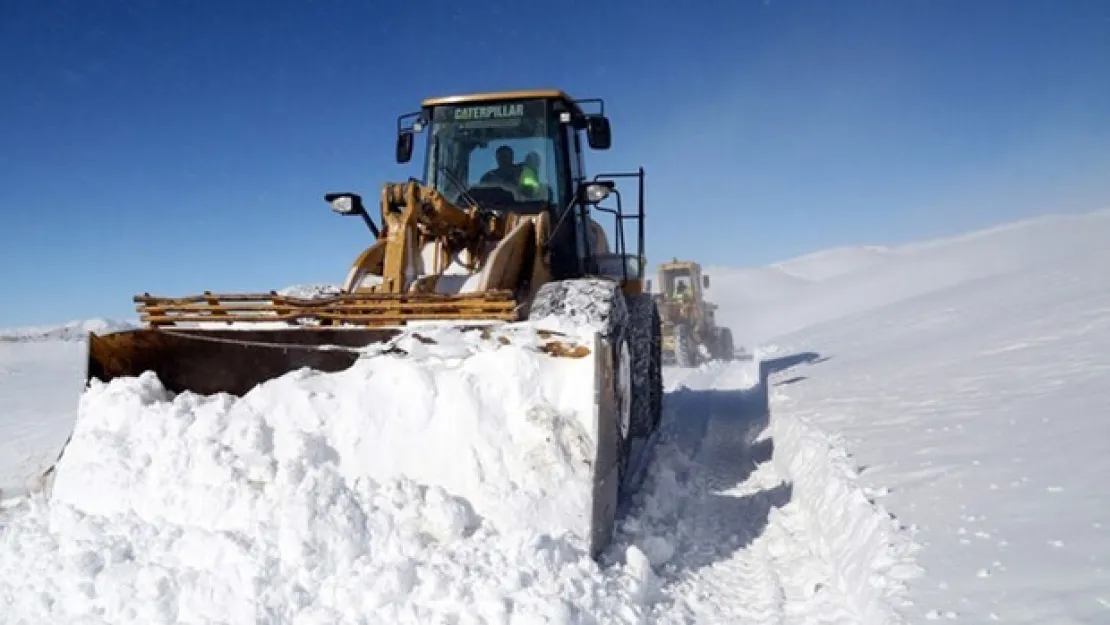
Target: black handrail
x=620 y=217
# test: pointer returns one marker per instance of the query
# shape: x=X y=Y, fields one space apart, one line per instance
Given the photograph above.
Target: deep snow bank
x=869 y=553
x=979 y=414
x=976 y=413
x=434 y=488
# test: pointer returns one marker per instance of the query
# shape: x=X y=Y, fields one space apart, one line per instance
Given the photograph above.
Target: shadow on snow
x=709 y=446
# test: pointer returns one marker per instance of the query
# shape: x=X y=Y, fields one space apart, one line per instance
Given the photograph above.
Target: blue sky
x=179 y=146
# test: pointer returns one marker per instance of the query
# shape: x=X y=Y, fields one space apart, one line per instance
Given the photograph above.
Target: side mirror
x=404 y=146
x=597 y=132
x=345 y=203
x=705 y=281
x=348 y=204
x=595 y=192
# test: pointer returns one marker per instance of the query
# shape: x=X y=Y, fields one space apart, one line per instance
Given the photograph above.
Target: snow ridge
x=870 y=554
x=71 y=331
x=835 y=262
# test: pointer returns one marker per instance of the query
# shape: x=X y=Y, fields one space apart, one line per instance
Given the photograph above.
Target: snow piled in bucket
x=433 y=488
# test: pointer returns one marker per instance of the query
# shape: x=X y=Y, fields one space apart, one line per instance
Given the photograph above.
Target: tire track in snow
x=731 y=537
x=726 y=575
x=709 y=498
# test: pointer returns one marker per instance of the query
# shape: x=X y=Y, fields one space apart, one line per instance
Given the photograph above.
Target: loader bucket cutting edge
x=227 y=361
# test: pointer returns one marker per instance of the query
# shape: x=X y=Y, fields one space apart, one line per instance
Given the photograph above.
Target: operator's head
x=533 y=160
x=504 y=156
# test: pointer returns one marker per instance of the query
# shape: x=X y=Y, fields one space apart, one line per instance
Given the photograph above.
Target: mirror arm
x=370 y=224
x=355 y=208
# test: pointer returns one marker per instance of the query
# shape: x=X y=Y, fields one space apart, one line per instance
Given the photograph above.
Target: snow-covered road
x=720 y=501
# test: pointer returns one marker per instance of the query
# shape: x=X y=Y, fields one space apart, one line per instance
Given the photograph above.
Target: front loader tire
x=656 y=378
x=685 y=349
x=647 y=401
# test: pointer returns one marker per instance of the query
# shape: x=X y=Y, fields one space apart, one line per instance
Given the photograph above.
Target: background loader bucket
x=228 y=361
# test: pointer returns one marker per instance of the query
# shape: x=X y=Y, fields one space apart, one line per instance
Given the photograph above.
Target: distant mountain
x=72 y=331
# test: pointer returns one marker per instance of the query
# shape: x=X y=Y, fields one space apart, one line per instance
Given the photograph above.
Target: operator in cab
x=507 y=172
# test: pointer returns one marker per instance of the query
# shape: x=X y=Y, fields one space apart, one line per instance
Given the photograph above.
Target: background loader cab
x=521 y=152
x=690 y=333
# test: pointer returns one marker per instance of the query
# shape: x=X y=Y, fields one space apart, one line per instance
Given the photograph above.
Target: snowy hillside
x=833 y=263
x=763 y=303
x=970 y=380
x=922 y=437
x=72 y=331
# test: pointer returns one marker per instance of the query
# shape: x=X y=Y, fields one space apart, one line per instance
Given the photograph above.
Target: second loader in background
x=690 y=334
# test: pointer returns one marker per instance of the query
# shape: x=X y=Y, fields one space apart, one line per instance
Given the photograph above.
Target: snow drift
x=966 y=392
x=441 y=487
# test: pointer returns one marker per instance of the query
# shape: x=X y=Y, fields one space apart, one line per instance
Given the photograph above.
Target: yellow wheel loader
x=490 y=234
x=690 y=334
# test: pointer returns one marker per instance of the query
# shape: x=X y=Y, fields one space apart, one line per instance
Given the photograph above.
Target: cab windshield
x=677 y=281
x=500 y=155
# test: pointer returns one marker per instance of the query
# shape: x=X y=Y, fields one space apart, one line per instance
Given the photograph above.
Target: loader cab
x=515 y=151
x=522 y=152
x=679 y=280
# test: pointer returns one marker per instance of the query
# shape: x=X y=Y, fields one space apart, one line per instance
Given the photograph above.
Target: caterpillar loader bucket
x=225 y=350
x=223 y=361
x=459 y=252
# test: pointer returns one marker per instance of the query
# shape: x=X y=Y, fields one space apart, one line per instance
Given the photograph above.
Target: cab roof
x=679 y=264
x=494 y=96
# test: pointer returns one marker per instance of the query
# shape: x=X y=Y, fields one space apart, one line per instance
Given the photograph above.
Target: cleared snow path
x=723 y=519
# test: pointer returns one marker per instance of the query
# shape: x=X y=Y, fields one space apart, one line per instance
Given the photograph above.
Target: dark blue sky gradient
x=175 y=146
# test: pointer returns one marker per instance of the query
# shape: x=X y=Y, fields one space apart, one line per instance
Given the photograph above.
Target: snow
x=311 y=291
x=39 y=387
x=325 y=497
x=762 y=523
x=920 y=436
x=515 y=446
x=764 y=303
x=974 y=402
x=72 y=331
x=833 y=263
